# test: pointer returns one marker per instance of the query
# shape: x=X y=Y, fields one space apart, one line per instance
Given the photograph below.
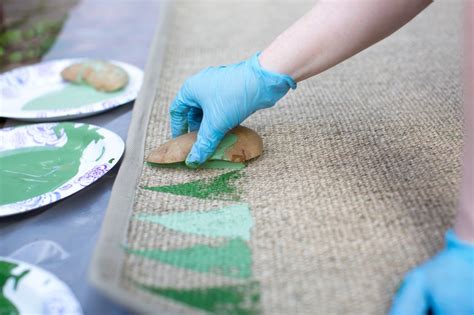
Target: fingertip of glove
x=175 y=134
x=193 y=160
x=192 y=164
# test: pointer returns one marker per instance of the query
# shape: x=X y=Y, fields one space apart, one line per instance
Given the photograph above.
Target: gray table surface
x=61 y=238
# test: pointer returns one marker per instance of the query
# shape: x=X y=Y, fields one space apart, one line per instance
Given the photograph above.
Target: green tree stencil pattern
x=221 y=187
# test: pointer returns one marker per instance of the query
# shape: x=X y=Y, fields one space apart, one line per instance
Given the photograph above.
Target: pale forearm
x=333 y=31
x=464 y=226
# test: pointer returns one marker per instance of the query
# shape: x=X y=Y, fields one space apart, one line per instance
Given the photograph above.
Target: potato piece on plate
x=102 y=75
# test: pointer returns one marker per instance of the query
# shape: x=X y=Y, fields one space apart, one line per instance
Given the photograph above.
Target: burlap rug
x=357 y=184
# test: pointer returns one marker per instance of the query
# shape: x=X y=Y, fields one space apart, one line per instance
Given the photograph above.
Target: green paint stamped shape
x=232 y=221
x=218 y=188
x=70 y=96
x=232 y=259
x=29 y=172
x=241 y=299
x=6 y=306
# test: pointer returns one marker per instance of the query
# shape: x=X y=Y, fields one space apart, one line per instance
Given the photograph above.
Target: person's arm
x=333 y=31
x=219 y=98
x=445 y=284
x=464 y=225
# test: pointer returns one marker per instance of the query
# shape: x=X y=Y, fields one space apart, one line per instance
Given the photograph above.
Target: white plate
x=92 y=161
x=26 y=289
x=21 y=85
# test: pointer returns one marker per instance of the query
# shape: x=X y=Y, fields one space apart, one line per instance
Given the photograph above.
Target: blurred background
x=28 y=29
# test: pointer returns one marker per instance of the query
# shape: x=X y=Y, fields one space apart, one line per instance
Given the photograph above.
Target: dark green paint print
x=232 y=259
x=6 y=306
x=230 y=300
x=221 y=187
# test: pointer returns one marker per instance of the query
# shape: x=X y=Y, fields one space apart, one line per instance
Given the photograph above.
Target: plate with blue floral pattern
x=39 y=93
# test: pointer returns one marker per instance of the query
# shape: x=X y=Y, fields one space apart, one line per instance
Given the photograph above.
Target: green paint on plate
x=111 y=160
x=231 y=259
x=232 y=221
x=30 y=172
x=218 y=188
x=210 y=164
x=6 y=306
x=101 y=154
x=70 y=96
x=241 y=299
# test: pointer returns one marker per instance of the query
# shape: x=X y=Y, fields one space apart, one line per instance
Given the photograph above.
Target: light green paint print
x=70 y=96
x=221 y=187
x=241 y=299
x=232 y=259
x=232 y=221
x=29 y=172
x=6 y=306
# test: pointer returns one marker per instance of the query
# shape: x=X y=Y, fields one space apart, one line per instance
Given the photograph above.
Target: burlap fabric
x=357 y=184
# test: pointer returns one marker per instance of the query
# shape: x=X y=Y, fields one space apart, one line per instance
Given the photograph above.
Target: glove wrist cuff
x=279 y=80
x=454 y=242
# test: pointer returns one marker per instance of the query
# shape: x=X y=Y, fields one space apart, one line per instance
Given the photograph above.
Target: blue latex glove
x=217 y=99
x=445 y=284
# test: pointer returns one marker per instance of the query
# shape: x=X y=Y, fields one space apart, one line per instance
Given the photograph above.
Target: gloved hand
x=445 y=284
x=217 y=99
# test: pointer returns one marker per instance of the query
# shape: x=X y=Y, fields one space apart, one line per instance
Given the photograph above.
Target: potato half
x=239 y=145
x=101 y=75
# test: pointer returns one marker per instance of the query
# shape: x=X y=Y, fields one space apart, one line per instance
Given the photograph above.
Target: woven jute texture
x=359 y=177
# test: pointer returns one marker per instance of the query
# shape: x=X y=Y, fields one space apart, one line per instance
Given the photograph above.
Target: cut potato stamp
x=239 y=145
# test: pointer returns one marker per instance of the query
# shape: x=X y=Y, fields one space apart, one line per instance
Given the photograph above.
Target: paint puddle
x=32 y=171
x=221 y=187
x=241 y=299
x=70 y=96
